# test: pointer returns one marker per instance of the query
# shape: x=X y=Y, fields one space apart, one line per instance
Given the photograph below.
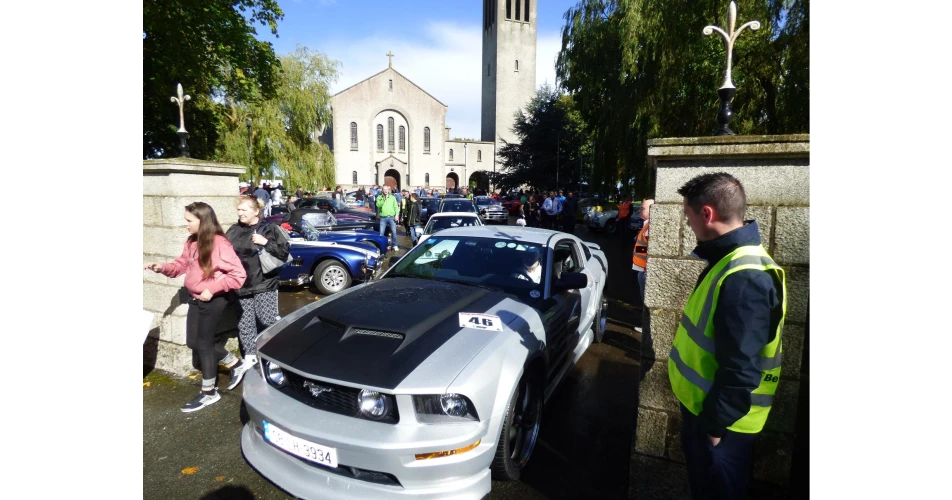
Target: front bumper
x=375 y=449
x=495 y=216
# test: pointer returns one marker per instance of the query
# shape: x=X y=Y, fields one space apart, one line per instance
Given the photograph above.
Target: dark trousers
x=716 y=472
x=201 y=327
x=568 y=224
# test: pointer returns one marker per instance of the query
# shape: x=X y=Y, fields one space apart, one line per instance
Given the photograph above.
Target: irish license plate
x=317 y=453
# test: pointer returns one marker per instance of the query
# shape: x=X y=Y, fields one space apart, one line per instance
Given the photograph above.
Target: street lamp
x=250 y=167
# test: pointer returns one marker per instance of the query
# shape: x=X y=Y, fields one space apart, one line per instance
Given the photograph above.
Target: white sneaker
x=204 y=398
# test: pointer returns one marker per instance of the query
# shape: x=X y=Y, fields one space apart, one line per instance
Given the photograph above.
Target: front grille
x=371 y=476
x=339 y=399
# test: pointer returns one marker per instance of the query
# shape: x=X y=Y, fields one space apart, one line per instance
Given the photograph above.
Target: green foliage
x=641 y=69
x=553 y=150
x=208 y=46
x=285 y=128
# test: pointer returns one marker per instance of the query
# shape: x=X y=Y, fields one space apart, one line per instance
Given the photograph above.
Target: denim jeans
x=393 y=229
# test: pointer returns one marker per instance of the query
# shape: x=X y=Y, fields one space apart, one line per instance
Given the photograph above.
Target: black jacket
x=415 y=210
x=240 y=237
x=746 y=317
x=570 y=207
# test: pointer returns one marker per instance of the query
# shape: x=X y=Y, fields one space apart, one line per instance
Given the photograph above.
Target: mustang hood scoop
x=378 y=334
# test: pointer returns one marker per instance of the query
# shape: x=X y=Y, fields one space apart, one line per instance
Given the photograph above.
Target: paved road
x=583 y=449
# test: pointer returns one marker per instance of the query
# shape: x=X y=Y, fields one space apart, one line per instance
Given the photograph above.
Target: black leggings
x=201 y=327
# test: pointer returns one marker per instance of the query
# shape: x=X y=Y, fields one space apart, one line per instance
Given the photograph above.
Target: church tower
x=509 y=65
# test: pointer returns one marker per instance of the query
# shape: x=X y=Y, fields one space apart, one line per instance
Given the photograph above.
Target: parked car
x=325 y=220
x=490 y=210
x=429 y=207
x=607 y=220
x=446 y=220
x=588 y=206
x=334 y=206
x=362 y=237
x=512 y=205
x=458 y=205
x=441 y=393
x=330 y=266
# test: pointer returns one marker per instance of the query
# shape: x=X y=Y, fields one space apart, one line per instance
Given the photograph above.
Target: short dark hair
x=720 y=190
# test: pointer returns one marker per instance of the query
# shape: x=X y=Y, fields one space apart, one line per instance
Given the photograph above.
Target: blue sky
x=436 y=44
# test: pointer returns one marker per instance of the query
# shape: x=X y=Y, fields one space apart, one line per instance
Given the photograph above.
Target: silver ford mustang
x=429 y=381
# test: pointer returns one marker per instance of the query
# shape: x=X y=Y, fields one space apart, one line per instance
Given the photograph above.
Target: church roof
x=397 y=72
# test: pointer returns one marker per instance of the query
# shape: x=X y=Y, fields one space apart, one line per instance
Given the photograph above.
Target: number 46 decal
x=480 y=321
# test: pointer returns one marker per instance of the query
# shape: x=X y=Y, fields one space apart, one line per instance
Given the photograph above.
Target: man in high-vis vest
x=724 y=364
x=639 y=263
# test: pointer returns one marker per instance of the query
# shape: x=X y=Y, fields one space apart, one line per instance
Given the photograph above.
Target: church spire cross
x=390 y=59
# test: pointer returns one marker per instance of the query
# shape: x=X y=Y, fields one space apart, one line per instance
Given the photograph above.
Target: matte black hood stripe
x=424 y=312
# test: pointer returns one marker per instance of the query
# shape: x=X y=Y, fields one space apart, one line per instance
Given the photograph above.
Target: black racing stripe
x=424 y=313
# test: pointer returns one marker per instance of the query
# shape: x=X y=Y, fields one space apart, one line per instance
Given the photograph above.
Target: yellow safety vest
x=692 y=365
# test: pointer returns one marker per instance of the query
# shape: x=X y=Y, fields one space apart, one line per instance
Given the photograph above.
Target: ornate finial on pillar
x=390 y=59
x=180 y=100
x=727 y=90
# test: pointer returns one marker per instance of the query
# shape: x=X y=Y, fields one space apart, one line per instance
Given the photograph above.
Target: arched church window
x=353 y=135
x=403 y=138
x=527 y=11
x=354 y=177
x=390 y=134
x=479 y=155
x=427 y=177
x=518 y=9
x=379 y=137
x=426 y=139
x=517 y=65
x=487 y=69
x=509 y=9
x=451 y=155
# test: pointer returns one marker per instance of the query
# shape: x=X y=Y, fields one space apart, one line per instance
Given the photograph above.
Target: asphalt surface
x=583 y=449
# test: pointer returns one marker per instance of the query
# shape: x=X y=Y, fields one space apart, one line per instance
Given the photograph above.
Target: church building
x=388 y=130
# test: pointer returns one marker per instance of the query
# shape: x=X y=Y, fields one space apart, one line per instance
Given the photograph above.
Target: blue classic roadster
x=330 y=265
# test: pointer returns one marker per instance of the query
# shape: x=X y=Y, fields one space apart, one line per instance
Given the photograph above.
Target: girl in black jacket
x=258 y=297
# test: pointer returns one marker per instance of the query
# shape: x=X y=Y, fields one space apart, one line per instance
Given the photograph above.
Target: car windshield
x=457 y=206
x=440 y=223
x=310 y=232
x=505 y=264
x=432 y=204
x=486 y=201
x=319 y=219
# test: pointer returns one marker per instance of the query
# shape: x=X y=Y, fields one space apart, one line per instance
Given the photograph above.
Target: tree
x=208 y=46
x=641 y=68
x=285 y=128
x=551 y=148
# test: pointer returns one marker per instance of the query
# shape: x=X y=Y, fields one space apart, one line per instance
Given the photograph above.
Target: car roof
x=528 y=234
x=439 y=215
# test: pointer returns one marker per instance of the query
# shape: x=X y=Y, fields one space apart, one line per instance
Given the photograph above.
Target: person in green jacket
x=389 y=212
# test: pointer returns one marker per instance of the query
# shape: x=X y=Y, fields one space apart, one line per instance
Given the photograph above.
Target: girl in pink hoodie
x=211 y=269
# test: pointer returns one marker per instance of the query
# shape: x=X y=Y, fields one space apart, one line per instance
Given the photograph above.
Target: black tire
x=517 y=438
x=243 y=415
x=331 y=277
x=601 y=321
x=611 y=227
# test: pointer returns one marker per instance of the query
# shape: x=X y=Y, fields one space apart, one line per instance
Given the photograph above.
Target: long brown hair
x=208 y=228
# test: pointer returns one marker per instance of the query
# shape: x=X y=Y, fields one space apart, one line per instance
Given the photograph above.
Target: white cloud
x=445 y=60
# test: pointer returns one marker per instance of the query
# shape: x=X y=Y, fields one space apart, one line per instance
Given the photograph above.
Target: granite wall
x=167 y=187
x=775 y=173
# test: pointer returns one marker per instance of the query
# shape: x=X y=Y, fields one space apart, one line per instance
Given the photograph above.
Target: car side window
x=565 y=258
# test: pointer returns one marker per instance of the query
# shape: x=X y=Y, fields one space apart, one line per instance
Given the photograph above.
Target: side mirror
x=571 y=281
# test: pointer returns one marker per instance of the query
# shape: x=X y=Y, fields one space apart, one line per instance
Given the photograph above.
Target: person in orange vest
x=624 y=214
x=639 y=263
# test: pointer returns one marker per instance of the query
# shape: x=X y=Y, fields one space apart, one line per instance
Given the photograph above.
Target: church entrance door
x=452 y=182
x=479 y=182
x=392 y=178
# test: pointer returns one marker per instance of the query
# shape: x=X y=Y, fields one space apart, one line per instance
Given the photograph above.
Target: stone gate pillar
x=775 y=173
x=167 y=187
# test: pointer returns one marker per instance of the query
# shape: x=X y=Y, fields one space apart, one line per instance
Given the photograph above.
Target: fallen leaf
x=220 y=478
x=146 y=384
x=194 y=376
x=188 y=471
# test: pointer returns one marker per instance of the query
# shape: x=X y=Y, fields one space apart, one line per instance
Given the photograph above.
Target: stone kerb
x=167 y=187
x=775 y=174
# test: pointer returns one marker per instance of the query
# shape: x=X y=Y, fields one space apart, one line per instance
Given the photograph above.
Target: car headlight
x=274 y=373
x=373 y=404
x=444 y=408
